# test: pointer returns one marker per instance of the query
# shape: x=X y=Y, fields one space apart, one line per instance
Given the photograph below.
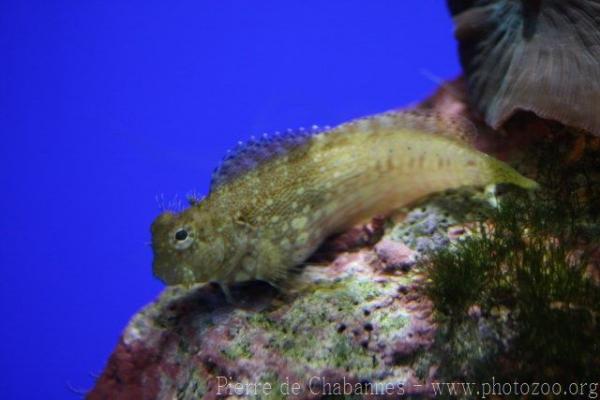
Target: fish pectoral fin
x=280 y=275
x=277 y=275
x=272 y=266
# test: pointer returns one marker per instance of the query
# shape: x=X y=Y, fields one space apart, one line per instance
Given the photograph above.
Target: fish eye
x=181 y=235
x=182 y=238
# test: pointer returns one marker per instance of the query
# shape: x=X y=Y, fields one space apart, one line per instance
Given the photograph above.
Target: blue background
x=106 y=104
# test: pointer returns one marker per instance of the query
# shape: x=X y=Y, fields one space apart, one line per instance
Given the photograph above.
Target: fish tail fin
x=503 y=173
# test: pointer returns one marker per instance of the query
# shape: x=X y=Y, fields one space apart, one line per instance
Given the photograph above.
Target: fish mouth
x=169 y=274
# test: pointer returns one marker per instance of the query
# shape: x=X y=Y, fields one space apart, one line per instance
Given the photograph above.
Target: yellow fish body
x=277 y=199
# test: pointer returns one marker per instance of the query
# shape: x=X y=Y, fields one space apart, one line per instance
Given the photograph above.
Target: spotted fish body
x=276 y=200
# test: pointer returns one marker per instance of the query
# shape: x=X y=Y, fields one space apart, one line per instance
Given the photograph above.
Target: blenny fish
x=276 y=199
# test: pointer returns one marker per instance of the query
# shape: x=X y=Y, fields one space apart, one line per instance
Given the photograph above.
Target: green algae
x=389 y=324
x=425 y=227
x=533 y=264
x=307 y=334
x=193 y=387
x=275 y=391
x=239 y=348
x=260 y=321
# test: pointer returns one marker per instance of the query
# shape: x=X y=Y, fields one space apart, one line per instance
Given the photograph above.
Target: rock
x=346 y=323
x=395 y=255
x=362 y=319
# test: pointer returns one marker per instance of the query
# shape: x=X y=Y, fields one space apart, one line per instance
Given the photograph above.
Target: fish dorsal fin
x=452 y=127
x=249 y=155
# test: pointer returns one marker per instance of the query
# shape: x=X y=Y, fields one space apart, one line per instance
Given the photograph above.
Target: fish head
x=188 y=246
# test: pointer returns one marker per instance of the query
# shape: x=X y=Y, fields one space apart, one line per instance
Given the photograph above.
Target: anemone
x=541 y=56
